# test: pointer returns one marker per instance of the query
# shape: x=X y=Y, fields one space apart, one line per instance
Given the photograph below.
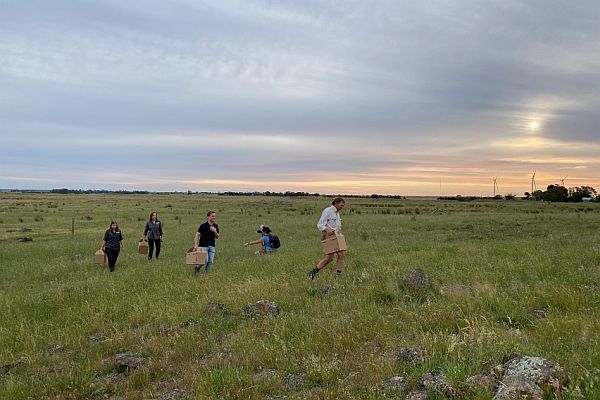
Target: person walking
x=330 y=224
x=265 y=240
x=153 y=233
x=112 y=244
x=205 y=238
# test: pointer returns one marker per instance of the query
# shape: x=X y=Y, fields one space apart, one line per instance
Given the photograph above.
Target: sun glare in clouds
x=534 y=126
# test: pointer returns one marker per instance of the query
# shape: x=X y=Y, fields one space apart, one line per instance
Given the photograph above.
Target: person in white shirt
x=330 y=224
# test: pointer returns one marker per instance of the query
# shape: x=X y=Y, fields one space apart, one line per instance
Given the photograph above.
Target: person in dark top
x=264 y=241
x=205 y=238
x=112 y=244
x=154 y=227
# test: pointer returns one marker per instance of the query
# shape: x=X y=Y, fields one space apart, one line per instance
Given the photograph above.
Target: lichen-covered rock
x=517 y=388
x=412 y=355
x=175 y=394
x=417 y=280
x=482 y=381
x=293 y=381
x=266 y=374
x=395 y=383
x=439 y=383
x=129 y=361
x=544 y=373
x=261 y=307
x=214 y=308
x=417 y=395
x=541 y=313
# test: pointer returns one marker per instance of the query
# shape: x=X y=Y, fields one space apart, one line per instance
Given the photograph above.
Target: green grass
x=491 y=263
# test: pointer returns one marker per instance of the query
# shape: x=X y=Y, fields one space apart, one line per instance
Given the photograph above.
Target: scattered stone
x=439 y=383
x=165 y=329
x=213 y=308
x=5 y=368
x=78 y=258
x=544 y=373
x=261 y=307
x=395 y=383
x=266 y=374
x=168 y=383
x=57 y=348
x=412 y=355
x=417 y=395
x=417 y=280
x=25 y=239
x=517 y=388
x=327 y=289
x=293 y=381
x=482 y=381
x=541 y=313
x=190 y=323
x=212 y=359
x=97 y=336
x=130 y=361
x=175 y=394
x=224 y=337
x=114 y=378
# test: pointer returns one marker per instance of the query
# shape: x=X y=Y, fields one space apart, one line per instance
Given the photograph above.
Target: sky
x=402 y=97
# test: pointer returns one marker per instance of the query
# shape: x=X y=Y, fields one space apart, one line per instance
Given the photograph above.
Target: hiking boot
x=313 y=273
x=196 y=269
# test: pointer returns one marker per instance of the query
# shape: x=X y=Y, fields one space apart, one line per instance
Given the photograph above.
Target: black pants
x=151 y=243
x=112 y=256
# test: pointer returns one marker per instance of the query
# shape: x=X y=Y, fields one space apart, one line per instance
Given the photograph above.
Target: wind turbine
x=533 y=187
x=562 y=180
x=495 y=185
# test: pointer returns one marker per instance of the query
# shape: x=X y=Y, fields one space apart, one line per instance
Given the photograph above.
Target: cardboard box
x=333 y=244
x=100 y=257
x=143 y=247
x=195 y=257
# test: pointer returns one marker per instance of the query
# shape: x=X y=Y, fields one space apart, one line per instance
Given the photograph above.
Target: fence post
x=72 y=226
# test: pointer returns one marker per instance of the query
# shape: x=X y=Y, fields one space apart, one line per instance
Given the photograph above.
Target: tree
x=576 y=194
x=510 y=196
x=555 y=193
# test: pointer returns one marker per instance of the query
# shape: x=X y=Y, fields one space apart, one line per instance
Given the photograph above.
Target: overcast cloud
x=331 y=96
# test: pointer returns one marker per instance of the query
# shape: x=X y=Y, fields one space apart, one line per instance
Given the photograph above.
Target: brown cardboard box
x=99 y=257
x=333 y=244
x=143 y=247
x=195 y=257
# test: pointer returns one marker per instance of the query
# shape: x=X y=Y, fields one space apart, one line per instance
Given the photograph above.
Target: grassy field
x=491 y=263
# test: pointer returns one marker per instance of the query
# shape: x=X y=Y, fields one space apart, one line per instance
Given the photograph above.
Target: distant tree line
x=101 y=191
x=559 y=193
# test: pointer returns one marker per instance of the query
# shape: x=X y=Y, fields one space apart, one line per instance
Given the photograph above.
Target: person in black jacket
x=154 y=238
x=112 y=244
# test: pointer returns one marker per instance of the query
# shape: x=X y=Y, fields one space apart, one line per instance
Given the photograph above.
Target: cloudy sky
x=396 y=97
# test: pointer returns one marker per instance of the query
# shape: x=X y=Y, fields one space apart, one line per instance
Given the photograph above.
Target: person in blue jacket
x=264 y=241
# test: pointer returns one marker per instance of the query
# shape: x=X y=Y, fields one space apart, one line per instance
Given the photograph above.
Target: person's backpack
x=274 y=241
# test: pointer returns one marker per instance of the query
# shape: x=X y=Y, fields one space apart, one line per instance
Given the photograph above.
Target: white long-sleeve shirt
x=330 y=218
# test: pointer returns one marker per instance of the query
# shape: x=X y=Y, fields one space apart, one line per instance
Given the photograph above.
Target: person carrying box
x=330 y=225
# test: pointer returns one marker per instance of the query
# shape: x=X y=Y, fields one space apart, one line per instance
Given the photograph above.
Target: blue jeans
x=210 y=256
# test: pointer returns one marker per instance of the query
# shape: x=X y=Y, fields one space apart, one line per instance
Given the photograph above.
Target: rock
x=190 y=323
x=517 y=388
x=57 y=348
x=482 y=381
x=395 y=383
x=266 y=374
x=261 y=307
x=168 y=383
x=78 y=258
x=175 y=394
x=417 y=280
x=412 y=355
x=25 y=239
x=213 y=308
x=546 y=374
x=5 y=368
x=439 y=383
x=129 y=361
x=293 y=381
x=211 y=359
x=541 y=313
x=97 y=336
x=114 y=377
x=417 y=395
x=327 y=289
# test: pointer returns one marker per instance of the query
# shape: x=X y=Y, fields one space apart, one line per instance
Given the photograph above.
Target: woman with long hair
x=153 y=233
x=112 y=244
